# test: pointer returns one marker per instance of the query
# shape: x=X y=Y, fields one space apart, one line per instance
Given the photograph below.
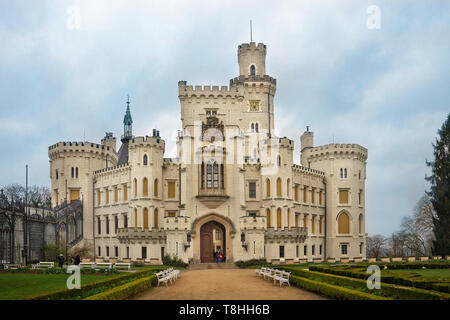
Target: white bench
x=261 y=272
x=282 y=277
x=122 y=265
x=163 y=276
x=87 y=265
x=103 y=265
x=12 y=266
x=43 y=265
x=174 y=272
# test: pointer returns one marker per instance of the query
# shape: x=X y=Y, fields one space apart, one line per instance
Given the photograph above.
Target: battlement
x=301 y=169
x=256 y=78
x=338 y=149
x=286 y=142
x=216 y=91
x=251 y=46
x=78 y=146
x=154 y=141
x=117 y=168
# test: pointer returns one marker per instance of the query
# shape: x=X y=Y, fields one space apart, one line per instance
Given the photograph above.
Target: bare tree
x=397 y=245
x=376 y=246
x=37 y=196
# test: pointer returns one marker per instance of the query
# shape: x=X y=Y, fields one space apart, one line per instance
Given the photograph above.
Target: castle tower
x=252 y=59
x=306 y=142
x=127 y=135
x=109 y=140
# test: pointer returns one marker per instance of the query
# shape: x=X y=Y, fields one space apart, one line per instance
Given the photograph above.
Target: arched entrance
x=212 y=238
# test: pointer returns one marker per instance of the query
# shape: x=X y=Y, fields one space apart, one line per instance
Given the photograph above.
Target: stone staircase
x=204 y=266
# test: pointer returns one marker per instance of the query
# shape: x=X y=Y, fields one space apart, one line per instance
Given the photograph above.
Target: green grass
x=443 y=274
x=20 y=285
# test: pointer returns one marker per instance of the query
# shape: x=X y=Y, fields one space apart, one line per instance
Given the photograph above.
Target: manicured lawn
x=21 y=285
x=439 y=273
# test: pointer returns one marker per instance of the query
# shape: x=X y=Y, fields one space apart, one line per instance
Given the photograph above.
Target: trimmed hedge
x=126 y=290
x=252 y=263
x=388 y=290
x=332 y=291
x=88 y=288
x=404 y=280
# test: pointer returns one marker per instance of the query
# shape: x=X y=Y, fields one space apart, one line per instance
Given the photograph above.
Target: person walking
x=220 y=256
x=77 y=260
x=215 y=256
x=60 y=260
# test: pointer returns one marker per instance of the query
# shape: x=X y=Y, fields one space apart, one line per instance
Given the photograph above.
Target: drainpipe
x=268 y=107
x=179 y=188
x=325 y=227
x=93 y=216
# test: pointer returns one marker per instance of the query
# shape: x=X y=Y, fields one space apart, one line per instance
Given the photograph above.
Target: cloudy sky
x=63 y=78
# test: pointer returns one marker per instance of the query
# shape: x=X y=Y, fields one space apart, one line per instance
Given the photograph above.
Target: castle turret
x=306 y=142
x=252 y=59
x=109 y=140
x=127 y=135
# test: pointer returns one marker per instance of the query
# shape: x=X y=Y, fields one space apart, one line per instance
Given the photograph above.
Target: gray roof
x=123 y=153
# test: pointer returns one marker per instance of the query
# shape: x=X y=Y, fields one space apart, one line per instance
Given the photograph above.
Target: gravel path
x=225 y=284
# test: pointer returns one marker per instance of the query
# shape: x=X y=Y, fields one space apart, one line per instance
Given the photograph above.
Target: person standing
x=60 y=260
x=77 y=260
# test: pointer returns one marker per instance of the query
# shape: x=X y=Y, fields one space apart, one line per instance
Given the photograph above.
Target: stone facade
x=230 y=171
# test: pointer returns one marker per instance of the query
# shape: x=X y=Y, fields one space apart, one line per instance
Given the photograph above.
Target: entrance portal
x=212 y=238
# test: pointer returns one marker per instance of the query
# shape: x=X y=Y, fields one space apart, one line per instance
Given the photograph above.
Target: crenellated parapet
x=147 y=141
x=337 y=150
x=241 y=80
x=177 y=223
x=252 y=223
x=294 y=234
x=115 y=169
x=305 y=170
x=73 y=148
x=207 y=91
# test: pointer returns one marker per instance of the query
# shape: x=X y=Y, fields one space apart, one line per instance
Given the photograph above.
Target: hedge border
x=65 y=293
x=332 y=291
x=404 y=293
x=422 y=284
x=126 y=290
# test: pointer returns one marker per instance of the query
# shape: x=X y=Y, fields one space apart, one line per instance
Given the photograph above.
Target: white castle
x=233 y=186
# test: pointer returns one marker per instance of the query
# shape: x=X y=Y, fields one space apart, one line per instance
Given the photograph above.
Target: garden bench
x=103 y=265
x=261 y=271
x=43 y=265
x=163 y=277
x=12 y=266
x=122 y=265
x=174 y=273
x=86 y=265
x=282 y=277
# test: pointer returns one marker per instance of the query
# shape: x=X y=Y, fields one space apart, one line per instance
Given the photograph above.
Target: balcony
x=297 y=234
x=124 y=234
x=212 y=198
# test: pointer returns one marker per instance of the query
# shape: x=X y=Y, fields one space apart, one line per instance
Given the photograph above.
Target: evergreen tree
x=439 y=192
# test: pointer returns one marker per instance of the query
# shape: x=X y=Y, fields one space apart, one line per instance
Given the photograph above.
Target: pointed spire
x=127 y=122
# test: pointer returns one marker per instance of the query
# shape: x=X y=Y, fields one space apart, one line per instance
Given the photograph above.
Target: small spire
x=251 y=31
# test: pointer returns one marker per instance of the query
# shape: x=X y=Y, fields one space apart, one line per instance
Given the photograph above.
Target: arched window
x=343 y=223
x=72 y=172
x=155 y=188
x=288 y=183
x=145 y=187
x=145 y=160
x=253 y=127
x=57 y=174
x=135 y=187
x=135 y=218
x=256 y=127
x=279 y=218
x=313 y=225
x=216 y=175
x=360 y=224
x=267 y=187
x=145 y=217
x=269 y=222
x=288 y=213
x=345 y=173
x=279 y=160
x=342 y=175
x=279 y=187
x=208 y=175
x=203 y=175
x=252 y=70
x=155 y=218
x=222 y=181
x=76 y=172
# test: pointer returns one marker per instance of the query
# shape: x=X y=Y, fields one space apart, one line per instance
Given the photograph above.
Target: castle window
x=145 y=216
x=305 y=250
x=360 y=197
x=288 y=213
x=267 y=187
x=343 y=223
x=269 y=223
x=252 y=70
x=128 y=252
x=155 y=218
x=57 y=176
x=296 y=220
x=252 y=127
x=203 y=175
x=279 y=218
x=345 y=173
x=304 y=221
x=107 y=251
x=145 y=160
x=171 y=189
x=360 y=224
x=320 y=197
x=135 y=218
x=359 y=174
x=125 y=192
x=145 y=187
x=98 y=197
x=321 y=225
x=313 y=191
x=342 y=175
x=221 y=176
x=313 y=225
x=288 y=182
x=256 y=127
x=252 y=190
x=99 y=251
x=216 y=175
x=135 y=187
x=279 y=187
x=281 y=251
x=125 y=221
x=279 y=161
x=320 y=249
x=107 y=225
x=343 y=249
x=208 y=175
x=107 y=195
x=72 y=172
x=361 y=248
x=116 y=194
x=343 y=196
x=155 y=187
x=116 y=223
x=116 y=251
x=144 y=252
x=76 y=172
x=313 y=249
x=296 y=193
x=305 y=189
x=296 y=251
x=99 y=225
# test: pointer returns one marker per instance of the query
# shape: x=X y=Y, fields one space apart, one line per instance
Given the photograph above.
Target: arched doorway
x=212 y=238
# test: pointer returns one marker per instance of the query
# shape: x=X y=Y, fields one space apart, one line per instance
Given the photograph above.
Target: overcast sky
x=386 y=89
